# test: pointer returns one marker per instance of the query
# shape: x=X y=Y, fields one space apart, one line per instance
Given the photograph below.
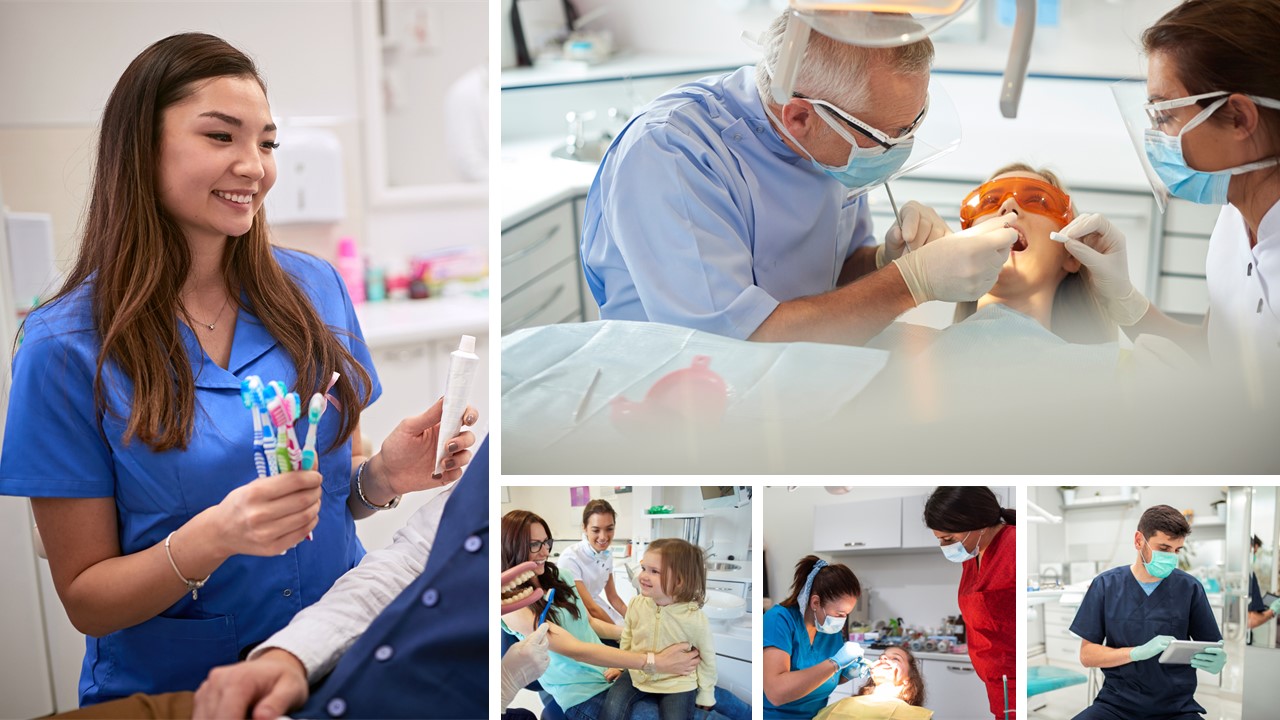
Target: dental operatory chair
x=550 y=710
x=1044 y=678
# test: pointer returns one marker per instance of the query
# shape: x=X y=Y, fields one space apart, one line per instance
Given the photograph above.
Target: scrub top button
x=336 y=707
x=287 y=592
x=473 y=544
x=430 y=597
x=737 y=137
x=383 y=653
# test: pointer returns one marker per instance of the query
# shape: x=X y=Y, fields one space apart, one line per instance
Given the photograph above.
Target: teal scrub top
x=784 y=629
x=569 y=681
x=57 y=445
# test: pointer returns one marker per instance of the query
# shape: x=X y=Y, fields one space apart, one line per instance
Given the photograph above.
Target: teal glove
x=1210 y=659
x=847 y=654
x=1150 y=648
x=1275 y=608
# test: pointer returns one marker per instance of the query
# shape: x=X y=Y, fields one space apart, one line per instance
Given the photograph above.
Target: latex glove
x=919 y=224
x=1095 y=242
x=1275 y=607
x=1150 y=648
x=524 y=662
x=959 y=267
x=1210 y=659
x=846 y=655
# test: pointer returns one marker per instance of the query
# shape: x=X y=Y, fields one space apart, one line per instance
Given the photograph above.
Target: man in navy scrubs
x=1131 y=614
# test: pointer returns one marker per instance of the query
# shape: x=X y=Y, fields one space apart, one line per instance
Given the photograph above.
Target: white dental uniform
x=1244 y=297
x=594 y=570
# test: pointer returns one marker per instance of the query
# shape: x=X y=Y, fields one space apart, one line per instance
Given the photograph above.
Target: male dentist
x=1129 y=616
x=720 y=210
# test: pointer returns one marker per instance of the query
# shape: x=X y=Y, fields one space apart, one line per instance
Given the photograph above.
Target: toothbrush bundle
x=275 y=440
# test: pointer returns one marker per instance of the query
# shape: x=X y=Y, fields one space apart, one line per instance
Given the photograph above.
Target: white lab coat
x=1244 y=296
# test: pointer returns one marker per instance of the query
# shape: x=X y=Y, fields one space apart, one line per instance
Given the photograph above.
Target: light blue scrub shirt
x=700 y=216
x=784 y=629
x=57 y=445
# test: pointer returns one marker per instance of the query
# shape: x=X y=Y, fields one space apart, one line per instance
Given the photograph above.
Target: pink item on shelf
x=351 y=268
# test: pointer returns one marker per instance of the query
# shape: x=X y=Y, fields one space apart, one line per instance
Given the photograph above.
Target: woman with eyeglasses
x=582 y=668
x=1213 y=92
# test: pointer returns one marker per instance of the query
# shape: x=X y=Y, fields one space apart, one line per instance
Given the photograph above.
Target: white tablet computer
x=1179 y=652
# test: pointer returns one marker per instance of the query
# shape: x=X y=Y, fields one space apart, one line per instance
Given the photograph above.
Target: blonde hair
x=1078 y=315
x=836 y=71
x=684 y=570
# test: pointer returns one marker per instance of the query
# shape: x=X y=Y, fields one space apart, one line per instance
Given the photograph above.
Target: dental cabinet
x=542 y=280
x=885 y=525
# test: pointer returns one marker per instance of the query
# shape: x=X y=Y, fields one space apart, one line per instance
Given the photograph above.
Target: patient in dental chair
x=895 y=692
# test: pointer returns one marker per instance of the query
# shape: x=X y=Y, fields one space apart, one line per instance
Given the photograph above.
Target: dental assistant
x=806 y=652
x=719 y=210
x=1129 y=616
x=591 y=562
x=1213 y=86
x=975 y=531
x=126 y=424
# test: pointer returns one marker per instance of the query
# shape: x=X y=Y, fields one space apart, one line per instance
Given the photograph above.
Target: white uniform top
x=1244 y=294
x=593 y=569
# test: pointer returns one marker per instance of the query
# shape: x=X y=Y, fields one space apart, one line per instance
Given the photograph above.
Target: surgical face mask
x=956 y=552
x=1162 y=563
x=1165 y=155
x=831 y=625
x=865 y=167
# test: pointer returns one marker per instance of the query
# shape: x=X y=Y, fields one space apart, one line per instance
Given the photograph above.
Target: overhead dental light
x=889 y=23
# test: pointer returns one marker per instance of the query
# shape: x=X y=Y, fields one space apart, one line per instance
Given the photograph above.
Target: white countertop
x=531 y=180
x=621 y=66
x=399 y=322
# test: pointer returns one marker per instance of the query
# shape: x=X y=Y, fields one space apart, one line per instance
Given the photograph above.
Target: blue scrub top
x=700 y=216
x=1117 y=613
x=57 y=445
x=1255 y=595
x=784 y=629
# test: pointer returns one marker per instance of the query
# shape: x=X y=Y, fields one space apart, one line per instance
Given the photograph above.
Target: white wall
x=918 y=587
x=552 y=504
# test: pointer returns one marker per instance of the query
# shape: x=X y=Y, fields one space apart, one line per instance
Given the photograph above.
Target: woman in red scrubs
x=974 y=530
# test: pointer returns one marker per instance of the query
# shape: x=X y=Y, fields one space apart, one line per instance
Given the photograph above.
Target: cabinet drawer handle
x=522 y=252
x=519 y=322
x=855 y=544
x=960 y=668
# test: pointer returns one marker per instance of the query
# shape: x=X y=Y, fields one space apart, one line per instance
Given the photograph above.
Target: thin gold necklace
x=213 y=325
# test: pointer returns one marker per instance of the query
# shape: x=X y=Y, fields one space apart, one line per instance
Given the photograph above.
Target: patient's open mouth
x=1021 y=243
x=520 y=587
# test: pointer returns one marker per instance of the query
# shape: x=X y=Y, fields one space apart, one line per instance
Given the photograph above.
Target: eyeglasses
x=1157 y=115
x=1034 y=196
x=536 y=545
x=874 y=135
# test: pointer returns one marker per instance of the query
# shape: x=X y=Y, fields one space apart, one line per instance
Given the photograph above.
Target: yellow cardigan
x=650 y=628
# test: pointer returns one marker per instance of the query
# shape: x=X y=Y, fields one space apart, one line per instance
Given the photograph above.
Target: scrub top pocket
x=164 y=654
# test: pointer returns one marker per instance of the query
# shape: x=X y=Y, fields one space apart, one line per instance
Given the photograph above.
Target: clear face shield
x=1131 y=100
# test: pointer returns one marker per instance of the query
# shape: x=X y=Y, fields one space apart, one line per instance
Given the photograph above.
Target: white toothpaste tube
x=462 y=369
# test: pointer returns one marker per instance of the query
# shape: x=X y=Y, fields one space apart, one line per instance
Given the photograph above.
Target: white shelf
x=1214 y=523
x=1102 y=501
x=674 y=516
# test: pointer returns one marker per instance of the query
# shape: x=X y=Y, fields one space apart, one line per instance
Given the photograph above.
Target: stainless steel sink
x=589 y=152
x=722 y=566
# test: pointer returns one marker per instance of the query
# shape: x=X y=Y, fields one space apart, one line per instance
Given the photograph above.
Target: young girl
x=673 y=589
x=126 y=424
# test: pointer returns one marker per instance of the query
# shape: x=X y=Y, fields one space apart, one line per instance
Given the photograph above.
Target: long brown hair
x=515 y=550
x=684 y=571
x=912 y=687
x=1224 y=45
x=1077 y=315
x=136 y=258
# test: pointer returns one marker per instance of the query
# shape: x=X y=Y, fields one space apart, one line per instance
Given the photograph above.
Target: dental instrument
x=1059 y=237
x=462 y=369
x=586 y=396
x=314 y=412
x=893 y=204
x=551 y=597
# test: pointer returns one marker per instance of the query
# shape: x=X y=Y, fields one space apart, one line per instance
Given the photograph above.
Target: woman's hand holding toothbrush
x=269 y=515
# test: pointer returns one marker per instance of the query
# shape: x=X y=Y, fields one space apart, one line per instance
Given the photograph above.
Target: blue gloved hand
x=1275 y=607
x=1151 y=648
x=846 y=655
x=1210 y=659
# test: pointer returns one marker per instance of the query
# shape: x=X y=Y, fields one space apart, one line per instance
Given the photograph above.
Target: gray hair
x=835 y=71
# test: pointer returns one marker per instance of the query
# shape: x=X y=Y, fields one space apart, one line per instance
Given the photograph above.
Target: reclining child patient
x=896 y=692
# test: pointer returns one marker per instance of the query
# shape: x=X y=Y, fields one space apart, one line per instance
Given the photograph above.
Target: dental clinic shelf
x=1103 y=501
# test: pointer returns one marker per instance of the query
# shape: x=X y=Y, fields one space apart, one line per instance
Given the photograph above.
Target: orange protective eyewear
x=1035 y=196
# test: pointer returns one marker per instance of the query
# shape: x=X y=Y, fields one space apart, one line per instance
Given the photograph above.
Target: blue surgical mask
x=1198 y=186
x=865 y=168
x=1162 y=563
x=956 y=552
x=831 y=625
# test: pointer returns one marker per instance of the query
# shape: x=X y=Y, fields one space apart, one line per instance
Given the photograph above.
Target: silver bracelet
x=395 y=501
x=192 y=585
